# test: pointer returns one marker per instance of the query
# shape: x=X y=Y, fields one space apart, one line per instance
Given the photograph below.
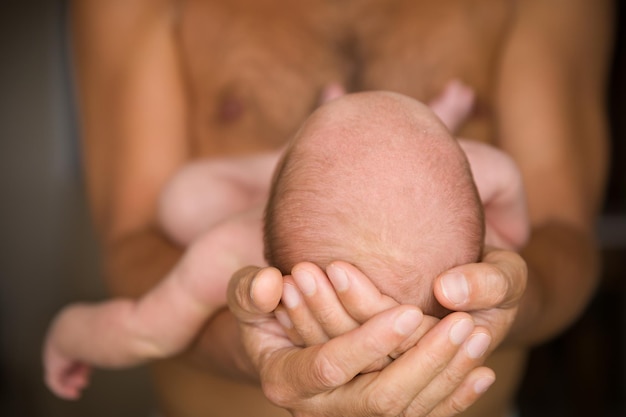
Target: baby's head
x=376 y=180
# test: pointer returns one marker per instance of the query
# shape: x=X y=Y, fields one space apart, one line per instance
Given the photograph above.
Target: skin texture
x=150 y=102
x=124 y=332
x=375 y=179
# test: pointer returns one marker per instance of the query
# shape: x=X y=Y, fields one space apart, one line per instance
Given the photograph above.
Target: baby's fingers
x=68 y=382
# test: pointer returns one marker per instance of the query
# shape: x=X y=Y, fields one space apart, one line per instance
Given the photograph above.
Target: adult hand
x=491 y=291
x=435 y=377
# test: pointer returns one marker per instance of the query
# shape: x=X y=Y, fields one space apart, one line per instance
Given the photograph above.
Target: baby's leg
x=196 y=287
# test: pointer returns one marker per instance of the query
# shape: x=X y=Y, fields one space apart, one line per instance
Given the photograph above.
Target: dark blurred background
x=47 y=251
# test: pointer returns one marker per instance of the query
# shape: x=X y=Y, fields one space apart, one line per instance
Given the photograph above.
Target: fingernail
x=477 y=345
x=283 y=319
x=407 y=322
x=483 y=384
x=291 y=297
x=460 y=331
x=338 y=277
x=305 y=281
x=455 y=288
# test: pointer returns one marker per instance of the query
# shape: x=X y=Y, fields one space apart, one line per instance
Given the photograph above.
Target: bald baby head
x=376 y=180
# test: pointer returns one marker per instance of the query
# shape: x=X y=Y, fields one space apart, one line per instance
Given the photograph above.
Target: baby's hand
x=65 y=377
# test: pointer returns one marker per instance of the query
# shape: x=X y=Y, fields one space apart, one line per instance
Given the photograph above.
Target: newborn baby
x=372 y=178
x=375 y=179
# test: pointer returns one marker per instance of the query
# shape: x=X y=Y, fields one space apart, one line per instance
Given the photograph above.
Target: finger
x=323 y=368
x=322 y=300
x=357 y=293
x=304 y=322
x=69 y=383
x=497 y=282
x=78 y=375
x=476 y=383
x=54 y=383
x=427 y=324
x=253 y=291
x=362 y=299
x=403 y=380
x=285 y=321
x=470 y=356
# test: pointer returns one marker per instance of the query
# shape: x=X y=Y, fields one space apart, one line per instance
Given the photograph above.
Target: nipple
x=230 y=107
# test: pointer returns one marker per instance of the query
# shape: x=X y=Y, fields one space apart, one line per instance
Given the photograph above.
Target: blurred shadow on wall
x=47 y=250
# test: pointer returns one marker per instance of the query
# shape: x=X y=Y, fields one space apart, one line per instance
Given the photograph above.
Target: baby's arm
x=206 y=192
x=497 y=177
x=501 y=189
x=124 y=332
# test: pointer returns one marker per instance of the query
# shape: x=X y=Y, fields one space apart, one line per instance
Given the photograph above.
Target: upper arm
x=132 y=107
x=551 y=106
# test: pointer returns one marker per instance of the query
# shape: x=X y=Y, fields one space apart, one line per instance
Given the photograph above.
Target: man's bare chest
x=257 y=68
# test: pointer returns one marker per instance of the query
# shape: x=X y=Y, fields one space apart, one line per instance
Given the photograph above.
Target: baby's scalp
x=376 y=180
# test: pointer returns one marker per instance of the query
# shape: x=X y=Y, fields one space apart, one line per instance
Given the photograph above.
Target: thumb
x=253 y=291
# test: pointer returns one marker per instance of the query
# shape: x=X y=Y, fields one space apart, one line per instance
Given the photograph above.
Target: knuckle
x=516 y=277
x=327 y=317
x=415 y=409
x=452 y=377
x=384 y=404
x=497 y=284
x=456 y=406
x=492 y=283
x=241 y=296
x=327 y=373
x=434 y=362
x=276 y=393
